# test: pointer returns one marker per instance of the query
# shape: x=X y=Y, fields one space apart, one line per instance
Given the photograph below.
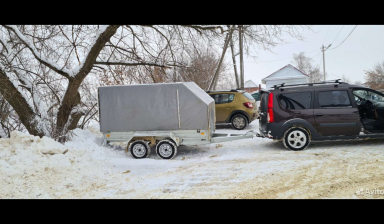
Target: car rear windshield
x=249 y=96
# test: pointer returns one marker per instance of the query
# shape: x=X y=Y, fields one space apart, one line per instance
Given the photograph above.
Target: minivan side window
x=334 y=99
x=295 y=101
x=223 y=98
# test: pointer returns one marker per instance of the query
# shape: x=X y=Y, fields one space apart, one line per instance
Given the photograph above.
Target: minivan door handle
x=319 y=115
x=297 y=112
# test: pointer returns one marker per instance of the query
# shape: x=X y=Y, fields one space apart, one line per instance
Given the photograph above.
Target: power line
x=338 y=34
x=337 y=76
x=285 y=58
x=316 y=55
x=344 y=39
x=326 y=33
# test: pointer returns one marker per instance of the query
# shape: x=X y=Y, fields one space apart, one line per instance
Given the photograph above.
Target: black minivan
x=333 y=110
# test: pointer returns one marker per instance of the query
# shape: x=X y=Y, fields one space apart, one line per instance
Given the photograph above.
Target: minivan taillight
x=271 y=117
x=248 y=105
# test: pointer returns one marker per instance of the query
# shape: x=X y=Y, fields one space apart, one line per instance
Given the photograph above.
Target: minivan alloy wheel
x=296 y=138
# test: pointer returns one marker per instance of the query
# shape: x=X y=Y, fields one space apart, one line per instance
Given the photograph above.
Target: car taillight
x=248 y=105
x=271 y=117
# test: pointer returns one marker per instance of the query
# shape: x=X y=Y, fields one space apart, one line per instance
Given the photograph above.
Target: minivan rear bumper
x=271 y=130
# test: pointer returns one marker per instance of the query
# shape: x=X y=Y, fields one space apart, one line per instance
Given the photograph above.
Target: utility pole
x=241 y=57
x=234 y=62
x=214 y=81
x=323 y=50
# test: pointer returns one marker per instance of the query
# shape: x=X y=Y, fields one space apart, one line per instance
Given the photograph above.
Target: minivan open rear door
x=263 y=111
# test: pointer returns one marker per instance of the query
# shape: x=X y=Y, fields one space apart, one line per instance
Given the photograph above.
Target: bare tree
x=227 y=81
x=345 y=79
x=48 y=72
x=43 y=67
x=374 y=78
x=305 y=64
x=358 y=83
x=202 y=64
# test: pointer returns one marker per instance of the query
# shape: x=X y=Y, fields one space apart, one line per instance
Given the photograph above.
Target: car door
x=336 y=113
x=224 y=105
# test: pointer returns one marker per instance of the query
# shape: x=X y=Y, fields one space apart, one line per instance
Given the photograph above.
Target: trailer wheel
x=239 y=122
x=139 y=149
x=166 y=149
x=296 y=139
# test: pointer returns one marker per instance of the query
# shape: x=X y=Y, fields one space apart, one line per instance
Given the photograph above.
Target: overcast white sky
x=360 y=51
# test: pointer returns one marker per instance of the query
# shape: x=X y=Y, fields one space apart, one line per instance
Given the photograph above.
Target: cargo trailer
x=162 y=115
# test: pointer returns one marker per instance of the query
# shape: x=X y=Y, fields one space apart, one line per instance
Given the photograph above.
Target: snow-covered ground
x=31 y=167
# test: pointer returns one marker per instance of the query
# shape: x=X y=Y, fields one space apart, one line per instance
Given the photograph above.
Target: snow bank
x=33 y=167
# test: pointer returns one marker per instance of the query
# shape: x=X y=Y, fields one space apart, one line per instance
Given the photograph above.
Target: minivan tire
x=239 y=122
x=296 y=139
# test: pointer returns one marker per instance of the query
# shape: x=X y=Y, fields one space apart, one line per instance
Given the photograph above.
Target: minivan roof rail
x=336 y=81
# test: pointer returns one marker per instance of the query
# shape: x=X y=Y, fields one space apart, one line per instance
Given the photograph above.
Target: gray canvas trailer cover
x=156 y=107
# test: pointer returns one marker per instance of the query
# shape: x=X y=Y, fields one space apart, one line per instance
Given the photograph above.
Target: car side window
x=256 y=96
x=223 y=98
x=368 y=95
x=231 y=97
x=295 y=101
x=334 y=99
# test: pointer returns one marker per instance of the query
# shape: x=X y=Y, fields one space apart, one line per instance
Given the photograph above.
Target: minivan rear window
x=295 y=101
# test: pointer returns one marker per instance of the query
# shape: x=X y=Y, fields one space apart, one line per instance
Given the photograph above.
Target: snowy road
x=250 y=168
x=259 y=168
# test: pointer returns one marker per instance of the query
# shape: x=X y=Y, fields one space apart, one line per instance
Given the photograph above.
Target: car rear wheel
x=296 y=138
x=239 y=122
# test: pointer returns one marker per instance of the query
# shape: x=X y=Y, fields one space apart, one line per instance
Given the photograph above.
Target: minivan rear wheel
x=239 y=122
x=296 y=138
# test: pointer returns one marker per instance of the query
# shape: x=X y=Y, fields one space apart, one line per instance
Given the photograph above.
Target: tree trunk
x=19 y=104
x=69 y=100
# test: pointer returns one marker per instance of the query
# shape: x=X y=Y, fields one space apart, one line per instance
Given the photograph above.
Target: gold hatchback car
x=234 y=106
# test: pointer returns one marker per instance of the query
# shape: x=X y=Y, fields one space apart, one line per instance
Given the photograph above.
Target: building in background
x=288 y=75
x=250 y=86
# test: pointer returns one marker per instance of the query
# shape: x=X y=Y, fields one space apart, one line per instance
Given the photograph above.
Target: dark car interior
x=371 y=109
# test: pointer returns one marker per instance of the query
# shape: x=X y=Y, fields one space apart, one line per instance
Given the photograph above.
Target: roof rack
x=225 y=90
x=336 y=82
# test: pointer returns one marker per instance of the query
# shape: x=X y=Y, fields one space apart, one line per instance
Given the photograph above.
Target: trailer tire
x=296 y=139
x=166 y=149
x=139 y=149
x=239 y=122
